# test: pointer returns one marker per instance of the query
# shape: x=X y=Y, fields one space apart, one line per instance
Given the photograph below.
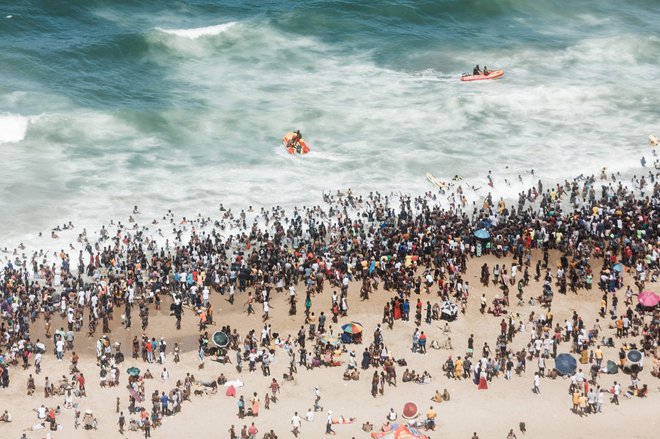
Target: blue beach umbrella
x=486 y=223
x=220 y=339
x=565 y=364
x=482 y=234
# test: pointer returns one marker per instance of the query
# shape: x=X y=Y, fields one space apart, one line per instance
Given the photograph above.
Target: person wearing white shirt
x=600 y=400
x=296 y=423
x=59 y=349
x=617 y=390
x=537 y=382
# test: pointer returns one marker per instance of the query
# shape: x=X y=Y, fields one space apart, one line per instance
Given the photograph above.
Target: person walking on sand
x=147 y=428
x=328 y=424
x=121 y=422
x=296 y=422
x=617 y=390
x=537 y=383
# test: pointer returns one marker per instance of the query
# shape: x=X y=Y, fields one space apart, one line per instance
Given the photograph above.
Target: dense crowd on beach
x=416 y=249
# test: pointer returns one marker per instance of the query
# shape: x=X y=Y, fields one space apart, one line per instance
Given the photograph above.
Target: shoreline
x=341 y=239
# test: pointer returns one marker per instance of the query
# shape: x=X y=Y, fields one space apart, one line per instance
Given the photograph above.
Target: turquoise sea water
x=181 y=105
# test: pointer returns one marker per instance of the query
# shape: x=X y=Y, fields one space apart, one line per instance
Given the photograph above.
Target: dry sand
x=491 y=413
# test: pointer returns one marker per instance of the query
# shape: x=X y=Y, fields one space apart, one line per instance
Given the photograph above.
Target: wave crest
x=198 y=32
x=13 y=127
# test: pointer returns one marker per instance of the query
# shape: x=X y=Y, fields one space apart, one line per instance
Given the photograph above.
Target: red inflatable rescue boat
x=494 y=74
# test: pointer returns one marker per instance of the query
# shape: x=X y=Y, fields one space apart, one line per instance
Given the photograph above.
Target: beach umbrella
x=399 y=431
x=133 y=371
x=410 y=410
x=482 y=234
x=220 y=339
x=612 y=367
x=332 y=339
x=648 y=298
x=449 y=310
x=618 y=267
x=634 y=356
x=565 y=364
x=352 y=328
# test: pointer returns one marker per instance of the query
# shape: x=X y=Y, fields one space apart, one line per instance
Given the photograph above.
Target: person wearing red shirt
x=81 y=384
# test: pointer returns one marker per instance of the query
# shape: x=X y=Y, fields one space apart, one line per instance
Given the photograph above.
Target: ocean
x=181 y=105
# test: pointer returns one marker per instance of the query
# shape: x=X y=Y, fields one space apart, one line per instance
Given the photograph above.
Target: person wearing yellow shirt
x=458 y=368
x=430 y=418
x=576 y=401
x=599 y=356
x=582 y=404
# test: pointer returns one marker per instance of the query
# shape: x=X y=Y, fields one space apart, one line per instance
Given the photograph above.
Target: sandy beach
x=292 y=219
x=491 y=413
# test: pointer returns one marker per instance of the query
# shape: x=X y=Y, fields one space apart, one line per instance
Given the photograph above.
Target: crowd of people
x=410 y=247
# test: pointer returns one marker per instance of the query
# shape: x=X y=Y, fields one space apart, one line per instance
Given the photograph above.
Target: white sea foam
x=370 y=126
x=13 y=127
x=198 y=32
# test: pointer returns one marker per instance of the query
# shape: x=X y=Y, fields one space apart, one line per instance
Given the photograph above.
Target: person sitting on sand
x=351 y=375
x=437 y=397
x=407 y=376
x=424 y=378
x=6 y=417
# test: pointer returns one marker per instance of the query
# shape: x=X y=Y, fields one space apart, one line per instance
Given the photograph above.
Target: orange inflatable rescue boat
x=493 y=74
x=294 y=147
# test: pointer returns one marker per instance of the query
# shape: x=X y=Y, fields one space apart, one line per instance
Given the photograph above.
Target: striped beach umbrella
x=352 y=328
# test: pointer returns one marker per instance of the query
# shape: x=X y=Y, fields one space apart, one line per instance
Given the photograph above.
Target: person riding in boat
x=486 y=71
x=294 y=142
x=297 y=137
x=476 y=71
